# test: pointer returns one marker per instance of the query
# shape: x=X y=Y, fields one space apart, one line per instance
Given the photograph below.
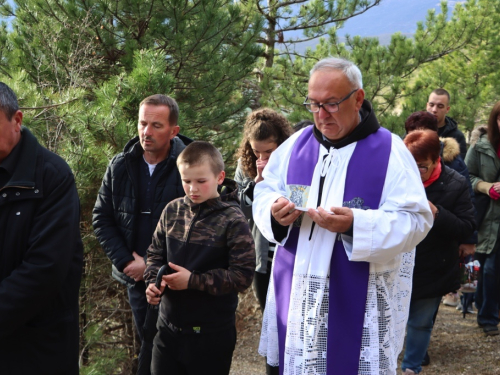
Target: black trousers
x=139 y=305
x=261 y=283
x=176 y=353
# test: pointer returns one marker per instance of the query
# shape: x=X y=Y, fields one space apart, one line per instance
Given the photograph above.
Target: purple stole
x=365 y=179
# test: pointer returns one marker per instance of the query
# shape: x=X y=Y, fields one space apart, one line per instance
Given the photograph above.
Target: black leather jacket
x=41 y=256
x=117 y=207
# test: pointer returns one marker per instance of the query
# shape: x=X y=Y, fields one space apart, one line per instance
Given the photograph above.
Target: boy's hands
x=153 y=293
x=175 y=281
x=178 y=280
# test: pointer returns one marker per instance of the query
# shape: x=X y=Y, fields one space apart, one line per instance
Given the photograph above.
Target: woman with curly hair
x=263 y=132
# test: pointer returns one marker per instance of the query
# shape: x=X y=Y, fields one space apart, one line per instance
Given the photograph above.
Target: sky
x=392 y=16
x=385 y=19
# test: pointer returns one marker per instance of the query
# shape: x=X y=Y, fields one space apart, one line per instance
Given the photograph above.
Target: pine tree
x=81 y=68
x=389 y=72
x=470 y=73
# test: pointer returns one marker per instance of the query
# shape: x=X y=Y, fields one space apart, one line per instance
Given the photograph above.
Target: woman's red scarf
x=434 y=175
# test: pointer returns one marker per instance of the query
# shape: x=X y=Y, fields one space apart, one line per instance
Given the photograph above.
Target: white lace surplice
x=389 y=286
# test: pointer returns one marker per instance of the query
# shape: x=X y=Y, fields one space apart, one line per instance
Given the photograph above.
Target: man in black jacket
x=138 y=184
x=40 y=252
x=439 y=105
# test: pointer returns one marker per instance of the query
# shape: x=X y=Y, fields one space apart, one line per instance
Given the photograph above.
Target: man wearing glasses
x=439 y=105
x=340 y=291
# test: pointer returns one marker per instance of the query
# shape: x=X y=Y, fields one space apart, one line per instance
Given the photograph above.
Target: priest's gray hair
x=350 y=70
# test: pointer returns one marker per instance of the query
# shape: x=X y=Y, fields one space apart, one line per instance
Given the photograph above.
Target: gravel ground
x=457 y=345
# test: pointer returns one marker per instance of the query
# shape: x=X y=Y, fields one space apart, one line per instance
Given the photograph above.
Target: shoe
x=409 y=372
x=451 y=299
x=426 y=360
x=490 y=330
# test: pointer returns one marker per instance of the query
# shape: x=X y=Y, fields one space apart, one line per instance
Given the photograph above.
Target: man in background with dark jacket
x=137 y=185
x=40 y=252
x=439 y=105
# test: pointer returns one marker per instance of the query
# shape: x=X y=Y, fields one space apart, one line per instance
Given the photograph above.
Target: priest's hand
x=339 y=222
x=282 y=212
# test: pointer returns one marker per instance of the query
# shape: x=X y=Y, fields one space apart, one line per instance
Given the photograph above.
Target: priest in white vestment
x=341 y=284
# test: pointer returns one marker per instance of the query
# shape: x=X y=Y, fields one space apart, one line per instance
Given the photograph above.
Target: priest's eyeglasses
x=329 y=107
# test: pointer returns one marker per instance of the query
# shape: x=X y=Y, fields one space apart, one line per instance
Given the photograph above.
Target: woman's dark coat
x=436 y=270
x=40 y=265
x=484 y=164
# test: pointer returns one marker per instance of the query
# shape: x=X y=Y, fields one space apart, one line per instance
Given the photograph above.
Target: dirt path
x=457 y=346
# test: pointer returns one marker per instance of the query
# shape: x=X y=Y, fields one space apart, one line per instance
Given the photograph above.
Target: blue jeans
x=139 y=305
x=488 y=289
x=418 y=331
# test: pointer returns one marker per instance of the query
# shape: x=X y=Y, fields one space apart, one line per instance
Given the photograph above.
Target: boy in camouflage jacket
x=206 y=242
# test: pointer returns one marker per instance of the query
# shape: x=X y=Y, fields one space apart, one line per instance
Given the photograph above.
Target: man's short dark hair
x=421 y=120
x=198 y=152
x=442 y=92
x=8 y=101
x=160 y=99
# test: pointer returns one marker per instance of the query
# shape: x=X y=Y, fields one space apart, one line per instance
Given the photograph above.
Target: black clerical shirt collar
x=368 y=125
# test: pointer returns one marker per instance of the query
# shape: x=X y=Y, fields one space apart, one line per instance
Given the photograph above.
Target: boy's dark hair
x=198 y=152
x=421 y=120
x=8 y=101
x=167 y=101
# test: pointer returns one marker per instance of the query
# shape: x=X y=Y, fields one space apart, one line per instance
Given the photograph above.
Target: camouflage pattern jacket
x=213 y=241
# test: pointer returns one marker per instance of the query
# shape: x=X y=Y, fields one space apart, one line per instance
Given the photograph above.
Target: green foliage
x=104 y=362
x=313 y=17
x=470 y=73
x=81 y=68
x=393 y=74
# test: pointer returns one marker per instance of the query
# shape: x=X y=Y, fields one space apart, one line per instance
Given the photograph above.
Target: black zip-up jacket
x=117 y=209
x=436 y=271
x=213 y=241
x=41 y=256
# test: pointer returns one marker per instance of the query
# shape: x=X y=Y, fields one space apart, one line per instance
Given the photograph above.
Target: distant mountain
x=391 y=16
x=387 y=18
